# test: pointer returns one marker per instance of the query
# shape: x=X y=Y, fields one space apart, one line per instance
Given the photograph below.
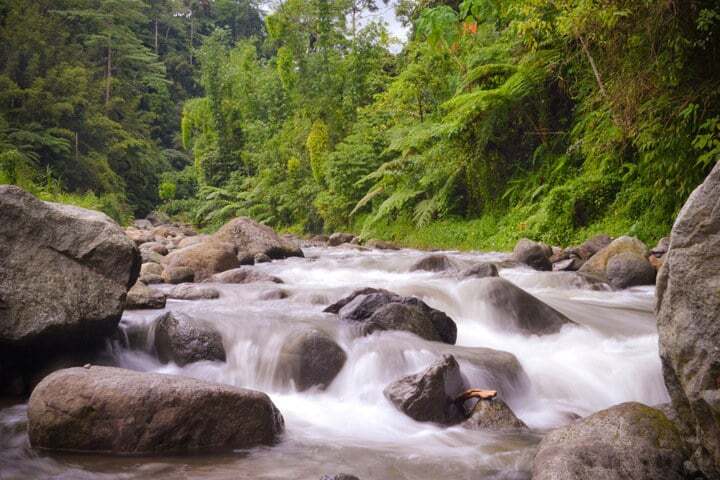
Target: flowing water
x=610 y=357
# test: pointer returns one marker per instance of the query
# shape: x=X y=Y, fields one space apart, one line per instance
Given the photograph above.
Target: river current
x=610 y=357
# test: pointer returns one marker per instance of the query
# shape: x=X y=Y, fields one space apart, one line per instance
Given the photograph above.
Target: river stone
x=628 y=270
x=480 y=270
x=205 y=259
x=156 y=247
x=143 y=224
x=189 y=291
x=339 y=238
x=501 y=370
x=590 y=246
x=371 y=306
x=192 y=240
x=251 y=237
x=261 y=258
x=64 y=275
x=175 y=275
x=493 y=415
x=535 y=254
x=429 y=396
x=381 y=245
x=519 y=310
x=627 y=441
x=151 y=256
x=432 y=263
x=243 y=275
x=118 y=411
x=141 y=296
x=139 y=236
x=182 y=339
x=274 y=294
x=310 y=358
x=597 y=264
x=688 y=314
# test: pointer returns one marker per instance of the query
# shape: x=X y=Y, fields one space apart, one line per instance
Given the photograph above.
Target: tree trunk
x=156 y=36
x=598 y=78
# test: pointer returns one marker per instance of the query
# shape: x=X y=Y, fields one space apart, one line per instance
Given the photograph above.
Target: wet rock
x=429 y=396
x=687 y=310
x=261 y=258
x=340 y=476
x=276 y=294
x=480 y=270
x=571 y=264
x=243 y=275
x=518 y=310
x=597 y=264
x=590 y=247
x=118 y=411
x=141 y=296
x=493 y=415
x=182 y=339
x=156 y=247
x=535 y=254
x=498 y=370
x=627 y=441
x=379 y=309
x=381 y=245
x=205 y=259
x=340 y=238
x=176 y=275
x=310 y=358
x=319 y=238
x=64 y=275
x=139 y=236
x=251 y=237
x=432 y=263
x=188 y=291
x=628 y=270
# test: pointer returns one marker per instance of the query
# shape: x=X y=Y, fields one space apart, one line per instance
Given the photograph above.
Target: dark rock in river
x=628 y=270
x=141 y=297
x=688 y=314
x=535 y=254
x=429 y=396
x=380 y=309
x=519 y=310
x=480 y=270
x=64 y=275
x=183 y=339
x=251 y=238
x=112 y=410
x=493 y=415
x=310 y=358
x=339 y=238
x=627 y=441
x=432 y=263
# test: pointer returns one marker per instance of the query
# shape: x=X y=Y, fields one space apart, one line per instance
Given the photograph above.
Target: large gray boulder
x=309 y=358
x=628 y=270
x=250 y=238
x=480 y=270
x=433 y=263
x=429 y=396
x=535 y=254
x=112 y=410
x=688 y=314
x=624 y=442
x=141 y=297
x=205 y=259
x=597 y=264
x=378 y=309
x=64 y=275
x=518 y=310
x=183 y=339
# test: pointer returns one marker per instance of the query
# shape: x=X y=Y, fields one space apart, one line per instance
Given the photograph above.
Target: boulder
x=309 y=358
x=261 y=258
x=139 y=236
x=381 y=245
x=493 y=415
x=432 y=263
x=251 y=237
x=501 y=371
x=628 y=270
x=205 y=259
x=189 y=291
x=480 y=270
x=182 y=339
x=192 y=240
x=661 y=248
x=141 y=296
x=627 y=441
x=157 y=218
x=535 y=254
x=379 y=309
x=143 y=224
x=590 y=247
x=597 y=264
x=151 y=268
x=64 y=275
x=429 y=396
x=275 y=294
x=156 y=247
x=339 y=238
x=243 y=275
x=151 y=256
x=151 y=279
x=518 y=310
x=176 y=275
x=687 y=310
x=570 y=264
x=118 y=411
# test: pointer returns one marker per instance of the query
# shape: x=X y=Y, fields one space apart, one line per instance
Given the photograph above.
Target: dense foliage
x=498 y=119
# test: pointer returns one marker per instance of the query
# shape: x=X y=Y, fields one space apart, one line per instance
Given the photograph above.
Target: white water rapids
x=350 y=427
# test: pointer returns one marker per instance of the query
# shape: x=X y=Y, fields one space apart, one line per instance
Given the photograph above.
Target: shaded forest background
x=550 y=119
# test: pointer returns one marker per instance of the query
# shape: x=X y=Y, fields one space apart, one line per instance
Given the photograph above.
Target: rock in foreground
x=310 y=358
x=112 y=410
x=64 y=275
x=688 y=314
x=627 y=441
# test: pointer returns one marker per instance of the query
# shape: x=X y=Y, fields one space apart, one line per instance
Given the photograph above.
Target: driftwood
x=476 y=393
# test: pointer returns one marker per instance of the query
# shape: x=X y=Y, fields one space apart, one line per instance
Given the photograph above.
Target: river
x=611 y=357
